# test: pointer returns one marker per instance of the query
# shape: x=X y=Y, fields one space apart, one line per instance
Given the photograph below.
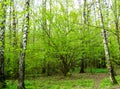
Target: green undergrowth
x=93 y=70
x=52 y=83
x=59 y=82
x=97 y=70
x=106 y=84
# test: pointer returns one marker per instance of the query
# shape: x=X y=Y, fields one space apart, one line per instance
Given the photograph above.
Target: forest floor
x=74 y=81
x=98 y=77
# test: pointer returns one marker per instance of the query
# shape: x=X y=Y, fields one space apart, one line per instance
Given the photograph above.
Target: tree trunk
x=106 y=49
x=14 y=25
x=85 y=22
x=44 y=30
x=14 y=43
x=10 y=34
x=21 y=71
x=44 y=66
x=2 y=43
x=23 y=47
x=82 y=66
x=109 y=64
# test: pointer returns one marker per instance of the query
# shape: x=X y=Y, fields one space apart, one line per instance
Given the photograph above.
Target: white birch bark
x=23 y=46
x=2 y=43
x=106 y=48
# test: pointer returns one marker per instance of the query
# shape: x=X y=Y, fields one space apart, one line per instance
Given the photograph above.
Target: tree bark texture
x=107 y=54
x=23 y=47
x=2 y=43
x=106 y=49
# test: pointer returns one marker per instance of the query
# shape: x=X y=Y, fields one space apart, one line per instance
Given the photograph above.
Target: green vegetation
x=106 y=84
x=59 y=44
x=96 y=70
x=59 y=82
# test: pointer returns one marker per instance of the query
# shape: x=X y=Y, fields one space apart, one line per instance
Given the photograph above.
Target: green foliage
x=97 y=70
x=11 y=84
x=58 y=38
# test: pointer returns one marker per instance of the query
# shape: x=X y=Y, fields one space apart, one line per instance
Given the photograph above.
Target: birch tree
x=10 y=36
x=106 y=48
x=14 y=23
x=23 y=47
x=2 y=42
x=14 y=35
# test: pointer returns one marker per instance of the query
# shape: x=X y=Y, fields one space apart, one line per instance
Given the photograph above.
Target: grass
x=98 y=79
x=68 y=84
x=59 y=82
x=97 y=70
x=50 y=84
x=93 y=70
x=56 y=82
x=106 y=84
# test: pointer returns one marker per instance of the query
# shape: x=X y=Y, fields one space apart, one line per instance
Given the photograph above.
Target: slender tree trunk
x=2 y=43
x=82 y=66
x=23 y=46
x=49 y=36
x=106 y=49
x=14 y=24
x=85 y=22
x=44 y=29
x=107 y=54
x=14 y=43
x=10 y=36
x=44 y=23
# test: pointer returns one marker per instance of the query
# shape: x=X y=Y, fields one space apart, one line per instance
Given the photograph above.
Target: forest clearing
x=74 y=81
x=59 y=44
